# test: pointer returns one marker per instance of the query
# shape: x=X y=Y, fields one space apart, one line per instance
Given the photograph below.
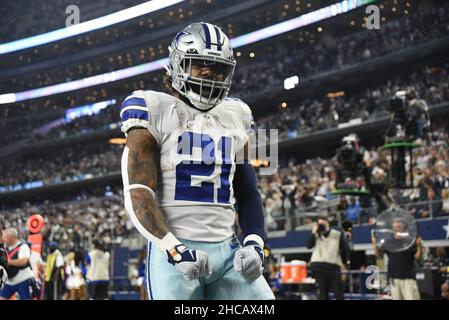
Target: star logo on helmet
x=181 y=34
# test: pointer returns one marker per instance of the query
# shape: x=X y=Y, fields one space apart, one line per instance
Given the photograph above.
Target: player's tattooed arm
x=141 y=163
x=143 y=168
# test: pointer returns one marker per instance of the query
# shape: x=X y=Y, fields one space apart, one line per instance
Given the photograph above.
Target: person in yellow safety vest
x=54 y=273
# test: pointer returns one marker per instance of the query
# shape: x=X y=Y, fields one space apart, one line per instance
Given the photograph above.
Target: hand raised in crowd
x=315 y=228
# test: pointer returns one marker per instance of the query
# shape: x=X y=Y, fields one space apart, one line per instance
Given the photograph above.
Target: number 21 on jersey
x=205 y=166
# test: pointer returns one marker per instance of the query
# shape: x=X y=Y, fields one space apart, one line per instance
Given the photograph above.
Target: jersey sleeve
x=138 y=111
x=248 y=120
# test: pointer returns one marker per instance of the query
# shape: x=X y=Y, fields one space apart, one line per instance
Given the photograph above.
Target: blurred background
x=317 y=74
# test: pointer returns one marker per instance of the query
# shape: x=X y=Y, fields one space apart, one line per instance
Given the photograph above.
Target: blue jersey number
x=204 y=167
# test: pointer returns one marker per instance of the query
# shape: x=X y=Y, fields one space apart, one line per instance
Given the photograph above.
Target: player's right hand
x=192 y=263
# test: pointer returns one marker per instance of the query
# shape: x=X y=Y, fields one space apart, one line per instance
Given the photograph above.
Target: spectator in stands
x=270 y=223
x=401 y=266
x=441 y=259
x=354 y=210
x=428 y=192
x=329 y=257
x=98 y=271
x=445 y=200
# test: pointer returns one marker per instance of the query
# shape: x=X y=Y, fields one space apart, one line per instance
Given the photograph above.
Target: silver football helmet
x=201 y=45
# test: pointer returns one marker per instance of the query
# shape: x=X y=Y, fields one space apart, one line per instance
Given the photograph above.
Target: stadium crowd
x=326 y=55
x=296 y=188
x=313 y=113
x=53 y=13
x=78 y=162
x=273 y=63
x=78 y=226
x=57 y=17
x=300 y=188
x=18 y=128
x=291 y=198
x=73 y=232
x=84 y=124
x=74 y=222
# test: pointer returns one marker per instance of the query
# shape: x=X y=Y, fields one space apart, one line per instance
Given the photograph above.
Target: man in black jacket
x=330 y=255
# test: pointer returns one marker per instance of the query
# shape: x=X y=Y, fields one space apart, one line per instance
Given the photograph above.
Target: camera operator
x=401 y=265
x=420 y=112
x=409 y=117
x=329 y=257
x=351 y=169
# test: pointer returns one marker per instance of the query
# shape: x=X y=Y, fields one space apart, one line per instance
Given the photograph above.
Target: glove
x=248 y=261
x=192 y=263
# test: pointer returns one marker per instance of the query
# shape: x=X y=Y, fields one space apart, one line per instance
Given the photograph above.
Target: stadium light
x=88 y=26
x=83 y=83
x=298 y=22
x=87 y=110
x=290 y=83
x=249 y=38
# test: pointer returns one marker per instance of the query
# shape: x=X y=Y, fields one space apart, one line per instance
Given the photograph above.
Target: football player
x=182 y=181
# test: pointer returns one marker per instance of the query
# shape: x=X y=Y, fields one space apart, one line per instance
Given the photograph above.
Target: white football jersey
x=197 y=159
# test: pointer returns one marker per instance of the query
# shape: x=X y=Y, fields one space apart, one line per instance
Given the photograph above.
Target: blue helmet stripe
x=207 y=33
x=217 y=32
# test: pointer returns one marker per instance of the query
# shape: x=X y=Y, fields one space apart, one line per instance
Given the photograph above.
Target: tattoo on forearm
x=143 y=168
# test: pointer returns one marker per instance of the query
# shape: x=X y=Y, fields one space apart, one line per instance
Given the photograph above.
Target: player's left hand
x=248 y=261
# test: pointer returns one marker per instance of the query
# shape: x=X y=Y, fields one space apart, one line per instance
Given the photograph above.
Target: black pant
x=52 y=290
x=327 y=280
x=98 y=291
